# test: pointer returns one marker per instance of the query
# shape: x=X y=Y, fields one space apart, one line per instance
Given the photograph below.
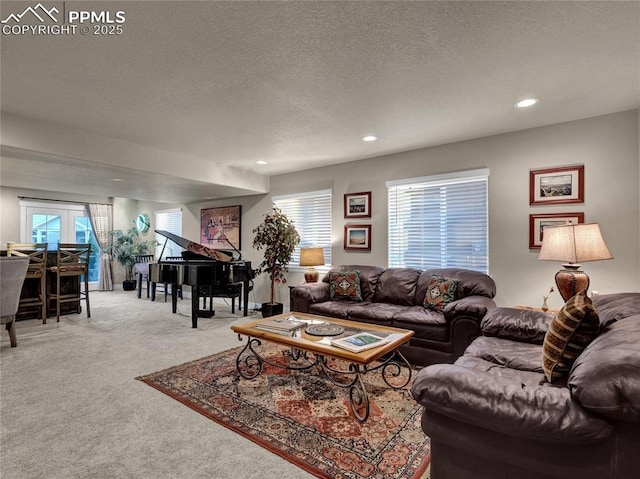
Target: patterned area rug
x=303 y=417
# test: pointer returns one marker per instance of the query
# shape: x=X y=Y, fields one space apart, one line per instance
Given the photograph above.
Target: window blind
x=439 y=222
x=171 y=221
x=311 y=216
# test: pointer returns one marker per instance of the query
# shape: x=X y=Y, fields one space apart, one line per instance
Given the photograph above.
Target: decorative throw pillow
x=440 y=292
x=572 y=329
x=345 y=285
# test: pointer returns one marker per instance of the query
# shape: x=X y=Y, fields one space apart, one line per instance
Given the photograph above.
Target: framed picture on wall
x=556 y=185
x=220 y=227
x=357 y=205
x=537 y=224
x=357 y=237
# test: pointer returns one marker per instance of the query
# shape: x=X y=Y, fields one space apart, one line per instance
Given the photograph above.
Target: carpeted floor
x=304 y=417
x=70 y=406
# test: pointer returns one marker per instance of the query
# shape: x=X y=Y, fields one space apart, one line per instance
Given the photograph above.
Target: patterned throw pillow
x=573 y=328
x=345 y=285
x=441 y=291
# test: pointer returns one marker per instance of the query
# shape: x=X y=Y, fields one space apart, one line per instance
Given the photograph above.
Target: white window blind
x=311 y=215
x=171 y=221
x=440 y=222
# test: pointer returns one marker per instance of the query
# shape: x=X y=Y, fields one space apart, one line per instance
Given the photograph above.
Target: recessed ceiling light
x=369 y=138
x=261 y=162
x=116 y=179
x=527 y=102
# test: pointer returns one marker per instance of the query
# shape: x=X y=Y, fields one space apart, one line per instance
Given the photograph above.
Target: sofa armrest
x=521 y=325
x=470 y=306
x=303 y=296
x=506 y=406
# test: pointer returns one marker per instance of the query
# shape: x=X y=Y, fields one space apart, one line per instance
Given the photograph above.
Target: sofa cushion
x=334 y=309
x=507 y=354
x=373 y=312
x=572 y=329
x=368 y=277
x=616 y=306
x=397 y=286
x=504 y=405
x=345 y=285
x=516 y=324
x=606 y=376
x=440 y=292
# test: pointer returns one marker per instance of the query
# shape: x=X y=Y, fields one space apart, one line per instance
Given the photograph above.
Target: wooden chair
x=142 y=271
x=72 y=261
x=12 y=275
x=34 y=291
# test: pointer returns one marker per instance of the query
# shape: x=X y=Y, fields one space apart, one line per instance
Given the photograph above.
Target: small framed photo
x=357 y=237
x=537 y=224
x=556 y=185
x=357 y=205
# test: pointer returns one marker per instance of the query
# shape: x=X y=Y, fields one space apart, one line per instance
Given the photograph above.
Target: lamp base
x=311 y=275
x=571 y=280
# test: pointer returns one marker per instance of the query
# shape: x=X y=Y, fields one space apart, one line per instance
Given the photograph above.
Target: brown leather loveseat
x=494 y=414
x=395 y=297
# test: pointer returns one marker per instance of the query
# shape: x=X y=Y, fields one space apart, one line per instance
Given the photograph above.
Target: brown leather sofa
x=492 y=413
x=394 y=297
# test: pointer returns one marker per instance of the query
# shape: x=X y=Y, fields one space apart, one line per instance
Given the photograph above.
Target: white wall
x=608 y=146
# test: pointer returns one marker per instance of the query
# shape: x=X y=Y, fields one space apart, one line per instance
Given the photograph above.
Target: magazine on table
x=283 y=325
x=363 y=340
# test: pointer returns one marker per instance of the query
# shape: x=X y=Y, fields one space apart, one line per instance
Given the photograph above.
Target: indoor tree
x=277 y=236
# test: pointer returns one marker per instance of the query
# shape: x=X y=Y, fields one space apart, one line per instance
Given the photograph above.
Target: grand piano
x=206 y=270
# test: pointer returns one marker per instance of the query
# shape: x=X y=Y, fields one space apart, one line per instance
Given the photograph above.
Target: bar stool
x=34 y=291
x=72 y=261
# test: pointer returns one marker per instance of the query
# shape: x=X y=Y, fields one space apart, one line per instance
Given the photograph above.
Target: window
x=171 y=221
x=311 y=215
x=440 y=221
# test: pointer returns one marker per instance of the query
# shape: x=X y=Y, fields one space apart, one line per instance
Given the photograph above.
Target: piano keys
x=204 y=269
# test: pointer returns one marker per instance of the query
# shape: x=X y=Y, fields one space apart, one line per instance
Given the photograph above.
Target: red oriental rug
x=303 y=417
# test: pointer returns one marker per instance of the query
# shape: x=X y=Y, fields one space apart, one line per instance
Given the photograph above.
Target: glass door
x=63 y=223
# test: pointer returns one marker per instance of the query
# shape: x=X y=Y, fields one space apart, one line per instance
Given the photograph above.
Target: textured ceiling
x=298 y=83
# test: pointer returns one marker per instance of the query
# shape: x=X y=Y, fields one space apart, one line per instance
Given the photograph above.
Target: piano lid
x=196 y=247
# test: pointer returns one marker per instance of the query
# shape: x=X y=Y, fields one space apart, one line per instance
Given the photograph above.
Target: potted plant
x=279 y=238
x=125 y=249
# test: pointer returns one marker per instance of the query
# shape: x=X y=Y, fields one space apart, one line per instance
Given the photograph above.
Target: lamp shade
x=573 y=243
x=311 y=256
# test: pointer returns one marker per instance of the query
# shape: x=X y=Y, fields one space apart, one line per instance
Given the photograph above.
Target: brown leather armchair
x=492 y=413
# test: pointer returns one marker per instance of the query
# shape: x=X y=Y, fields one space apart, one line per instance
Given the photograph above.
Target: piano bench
x=233 y=291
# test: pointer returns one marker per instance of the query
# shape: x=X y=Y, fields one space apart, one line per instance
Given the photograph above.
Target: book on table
x=282 y=325
x=363 y=340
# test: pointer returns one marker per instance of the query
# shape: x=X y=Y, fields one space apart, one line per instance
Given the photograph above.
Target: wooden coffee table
x=309 y=351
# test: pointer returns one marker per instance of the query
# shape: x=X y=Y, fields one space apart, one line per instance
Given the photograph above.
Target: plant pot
x=129 y=285
x=271 y=309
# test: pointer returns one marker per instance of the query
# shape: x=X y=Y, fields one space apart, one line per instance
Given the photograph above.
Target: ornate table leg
x=250 y=365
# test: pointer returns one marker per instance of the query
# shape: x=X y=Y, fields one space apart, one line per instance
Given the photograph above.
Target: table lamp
x=573 y=243
x=311 y=257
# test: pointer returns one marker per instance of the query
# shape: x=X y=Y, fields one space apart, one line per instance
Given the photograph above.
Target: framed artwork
x=220 y=227
x=537 y=224
x=357 y=205
x=357 y=237
x=556 y=185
